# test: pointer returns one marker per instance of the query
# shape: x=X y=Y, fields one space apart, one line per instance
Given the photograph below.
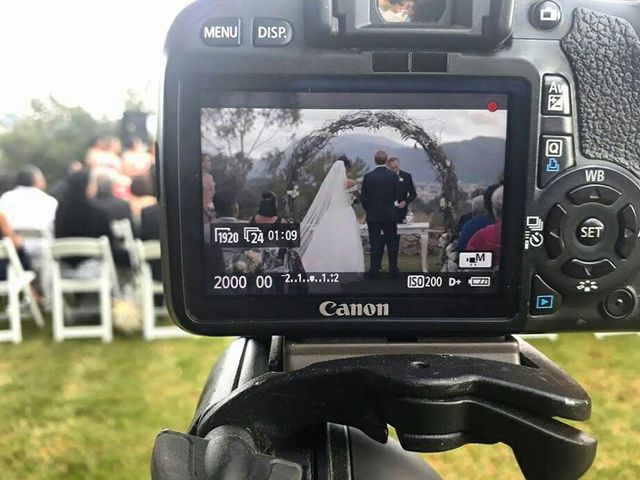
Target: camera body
x=557 y=83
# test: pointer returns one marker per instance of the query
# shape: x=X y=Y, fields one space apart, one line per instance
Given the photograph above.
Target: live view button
x=271 y=32
x=222 y=32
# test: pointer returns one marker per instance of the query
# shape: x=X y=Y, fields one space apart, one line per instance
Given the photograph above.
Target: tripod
x=277 y=409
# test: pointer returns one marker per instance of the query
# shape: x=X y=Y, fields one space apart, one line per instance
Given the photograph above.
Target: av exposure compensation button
x=556 y=96
x=222 y=32
x=271 y=32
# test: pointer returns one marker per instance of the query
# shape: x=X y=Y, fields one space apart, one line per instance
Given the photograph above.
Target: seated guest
x=79 y=216
x=489 y=239
x=142 y=196
x=115 y=208
x=150 y=223
x=7 y=232
x=27 y=206
x=268 y=211
x=150 y=230
x=480 y=217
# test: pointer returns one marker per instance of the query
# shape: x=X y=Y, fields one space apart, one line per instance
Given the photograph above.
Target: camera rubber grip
x=604 y=52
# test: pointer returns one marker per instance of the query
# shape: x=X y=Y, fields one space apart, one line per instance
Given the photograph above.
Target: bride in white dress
x=330 y=238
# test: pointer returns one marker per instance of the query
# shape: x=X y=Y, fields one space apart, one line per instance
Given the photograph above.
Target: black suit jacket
x=150 y=223
x=407 y=194
x=380 y=191
x=115 y=208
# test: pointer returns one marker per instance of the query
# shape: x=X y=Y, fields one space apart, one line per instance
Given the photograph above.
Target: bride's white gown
x=330 y=234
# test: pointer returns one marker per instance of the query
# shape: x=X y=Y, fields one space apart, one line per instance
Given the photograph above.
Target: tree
x=51 y=136
x=236 y=135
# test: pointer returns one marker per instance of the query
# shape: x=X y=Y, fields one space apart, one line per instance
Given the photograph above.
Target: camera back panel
x=565 y=77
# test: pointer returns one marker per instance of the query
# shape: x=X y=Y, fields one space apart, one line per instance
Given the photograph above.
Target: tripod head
x=254 y=405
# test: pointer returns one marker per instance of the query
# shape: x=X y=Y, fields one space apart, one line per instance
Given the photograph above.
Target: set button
x=590 y=232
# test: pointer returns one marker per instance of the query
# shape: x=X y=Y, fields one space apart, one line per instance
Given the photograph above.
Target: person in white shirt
x=28 y=207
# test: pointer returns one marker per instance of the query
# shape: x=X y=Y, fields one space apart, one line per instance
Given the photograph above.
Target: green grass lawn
x=84 y=410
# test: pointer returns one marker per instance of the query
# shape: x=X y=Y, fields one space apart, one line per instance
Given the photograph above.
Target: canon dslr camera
x=376 y=194
x=512 y=128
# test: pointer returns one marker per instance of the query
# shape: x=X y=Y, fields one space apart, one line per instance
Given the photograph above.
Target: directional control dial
x=591 y=228
x=628 y=235
x=553 y=233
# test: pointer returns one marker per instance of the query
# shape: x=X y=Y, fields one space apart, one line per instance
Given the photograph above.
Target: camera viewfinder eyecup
x=467 y=25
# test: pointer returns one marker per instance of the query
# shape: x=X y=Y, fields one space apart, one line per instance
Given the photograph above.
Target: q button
x=271 y=32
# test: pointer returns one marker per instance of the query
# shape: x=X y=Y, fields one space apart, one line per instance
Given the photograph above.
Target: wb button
x=271 y=32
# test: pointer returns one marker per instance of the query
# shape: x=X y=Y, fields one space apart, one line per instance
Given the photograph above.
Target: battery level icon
x=480 y=282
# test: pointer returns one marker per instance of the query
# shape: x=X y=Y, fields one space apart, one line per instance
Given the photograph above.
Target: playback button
x=544 y=299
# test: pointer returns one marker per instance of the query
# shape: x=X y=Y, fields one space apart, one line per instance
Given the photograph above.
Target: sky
x=446 y=125
x=83 y=52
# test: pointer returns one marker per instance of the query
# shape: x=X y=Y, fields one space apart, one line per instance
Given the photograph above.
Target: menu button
x=222 y=32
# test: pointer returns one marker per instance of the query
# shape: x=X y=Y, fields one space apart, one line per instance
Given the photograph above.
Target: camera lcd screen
x=312 y=194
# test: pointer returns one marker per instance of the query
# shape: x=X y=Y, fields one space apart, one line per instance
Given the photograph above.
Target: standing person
x=136 y=159
x=407 y=189
x=142 y=196
x=208 y=188
x=379 y=194
x=330 y=239
x=115 y=208
x=27 y=206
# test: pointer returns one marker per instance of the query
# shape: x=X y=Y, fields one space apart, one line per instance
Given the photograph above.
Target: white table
x=422 y=229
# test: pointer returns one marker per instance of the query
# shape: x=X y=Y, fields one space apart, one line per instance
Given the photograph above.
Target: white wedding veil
x=330 y=193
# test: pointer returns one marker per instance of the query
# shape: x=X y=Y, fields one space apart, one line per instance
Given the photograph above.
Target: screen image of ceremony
x=354 y=201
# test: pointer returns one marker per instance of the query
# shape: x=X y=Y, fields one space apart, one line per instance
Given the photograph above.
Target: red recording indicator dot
x=493 y=106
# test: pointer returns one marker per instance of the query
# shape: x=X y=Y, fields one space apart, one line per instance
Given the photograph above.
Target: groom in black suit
x=379 y=196
x=407 y=188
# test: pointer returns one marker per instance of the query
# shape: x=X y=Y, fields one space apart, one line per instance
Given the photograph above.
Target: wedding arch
x=309 y=146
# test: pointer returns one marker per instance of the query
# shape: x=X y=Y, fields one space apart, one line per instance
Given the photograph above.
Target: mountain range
x=479 y=160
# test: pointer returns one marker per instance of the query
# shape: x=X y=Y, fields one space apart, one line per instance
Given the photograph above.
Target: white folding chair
x=552 y=337
x=123 y=234
x=603 y=335
x=104 y=283
x=35 y=242
x=149 y=288
x=18 y=282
